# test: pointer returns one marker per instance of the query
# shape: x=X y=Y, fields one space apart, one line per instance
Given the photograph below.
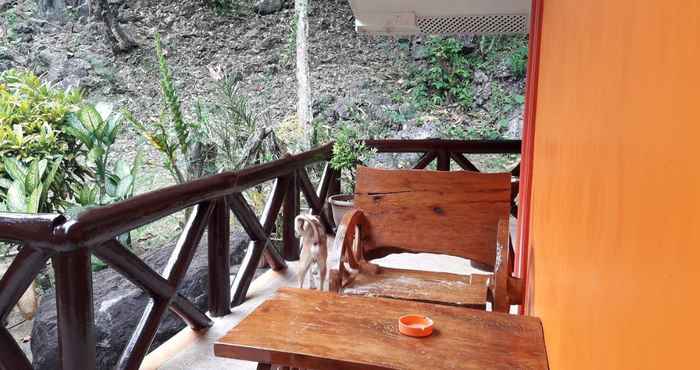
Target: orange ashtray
x=415 y=326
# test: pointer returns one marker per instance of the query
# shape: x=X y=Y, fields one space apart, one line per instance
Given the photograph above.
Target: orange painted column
x=615 y=217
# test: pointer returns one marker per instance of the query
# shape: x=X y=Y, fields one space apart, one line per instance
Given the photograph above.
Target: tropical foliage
x=38 y=155
x=97 y=127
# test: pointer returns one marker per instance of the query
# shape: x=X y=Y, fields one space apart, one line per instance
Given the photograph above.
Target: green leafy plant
x=29 y=189
x=97 y=127
x=349 y=150
x=33 y=116
x=170 y=135
x=447 y=76
x=518 y=62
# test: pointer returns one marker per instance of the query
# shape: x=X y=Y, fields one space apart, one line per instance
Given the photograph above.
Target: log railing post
x=219 y=263
x=443 y=161
x=290 y=210
x=76 y=317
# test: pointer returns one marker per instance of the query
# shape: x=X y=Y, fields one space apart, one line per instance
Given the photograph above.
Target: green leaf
x=42 y=167
x=33 y=179
x=5 y=183
x=19 y=134
x=111 y=186
x=95 y=154
x=87 y=196
x=16 y=200
x=114 y=124
x=91 y=119
x=80 y=134
x=15 y=169
x=122 y=169
x=48 y=181
x=34 y=201
x=104 y=109
x=124 y=188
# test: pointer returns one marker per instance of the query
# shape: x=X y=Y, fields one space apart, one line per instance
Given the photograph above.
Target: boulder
x=64 y=69
x=119 y=305
x=265 y=7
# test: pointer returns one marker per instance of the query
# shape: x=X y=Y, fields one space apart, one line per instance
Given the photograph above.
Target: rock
x=119 y=305
x=480 y=77
x=343 y=108
x=65 y=70
x=515 y=124
x=482 y=88
x=269 y=43
x=323 y=105
x=7 y=60
x=6 y=4
x=24 y=29
x=265 y=7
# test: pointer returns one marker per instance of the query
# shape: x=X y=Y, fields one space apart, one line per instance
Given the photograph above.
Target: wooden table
x=326 y=331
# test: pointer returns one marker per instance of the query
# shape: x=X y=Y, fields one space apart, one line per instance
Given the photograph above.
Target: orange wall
x=615 y=227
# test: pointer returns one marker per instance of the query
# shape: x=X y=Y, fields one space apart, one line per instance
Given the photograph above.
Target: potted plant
x=348 y=151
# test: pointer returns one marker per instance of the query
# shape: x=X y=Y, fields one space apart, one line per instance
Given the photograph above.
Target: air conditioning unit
x=442 y=17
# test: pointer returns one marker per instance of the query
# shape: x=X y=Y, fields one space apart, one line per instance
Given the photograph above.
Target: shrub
x=447 y=77
x=32 y=118
x=97 y=127
x=518 y=62
x=349 y=150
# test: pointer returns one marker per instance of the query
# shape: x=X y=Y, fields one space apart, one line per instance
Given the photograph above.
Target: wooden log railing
x=69 y=244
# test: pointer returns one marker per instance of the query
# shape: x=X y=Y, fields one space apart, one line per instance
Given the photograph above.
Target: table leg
x=262 y=366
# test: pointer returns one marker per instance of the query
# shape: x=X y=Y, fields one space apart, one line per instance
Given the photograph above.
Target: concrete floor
x=192 y=351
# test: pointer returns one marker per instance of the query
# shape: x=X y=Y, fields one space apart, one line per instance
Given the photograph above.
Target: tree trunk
x=119 y=40
x=304 y=111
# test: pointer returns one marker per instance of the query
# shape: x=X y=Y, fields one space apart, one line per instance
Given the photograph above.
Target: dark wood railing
x=70 y=243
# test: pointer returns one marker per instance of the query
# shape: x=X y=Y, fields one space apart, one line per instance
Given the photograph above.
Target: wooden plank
x=11 y=355
x=259 y=233
x=423 y=286
x=173 y=272
x=75 y=313
x=443 y=160
x=453 y=213
x=425 y=160
x=19 y=276
x=251 y=224
x=219 y=284
x=461 y=146
x=312 y=199
x=98 y=225
x=290 y=210
x=327 y=331
x=140 y=274
x=463 y=162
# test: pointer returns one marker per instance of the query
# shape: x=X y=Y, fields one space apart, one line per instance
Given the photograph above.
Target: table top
x=320 y=330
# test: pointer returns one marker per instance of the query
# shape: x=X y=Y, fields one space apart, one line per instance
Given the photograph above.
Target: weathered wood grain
x=453 y=213
x=327 y=331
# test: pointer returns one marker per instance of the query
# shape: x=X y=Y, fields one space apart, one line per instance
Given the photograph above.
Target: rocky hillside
x=350 y=72
x=371 y=82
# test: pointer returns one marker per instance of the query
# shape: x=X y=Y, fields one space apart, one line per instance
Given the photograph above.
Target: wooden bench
x=463 y=214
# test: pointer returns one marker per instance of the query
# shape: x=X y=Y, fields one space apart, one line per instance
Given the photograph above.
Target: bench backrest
x=454 y=213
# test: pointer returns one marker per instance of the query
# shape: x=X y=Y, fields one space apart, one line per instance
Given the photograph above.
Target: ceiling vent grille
x=476 y=25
